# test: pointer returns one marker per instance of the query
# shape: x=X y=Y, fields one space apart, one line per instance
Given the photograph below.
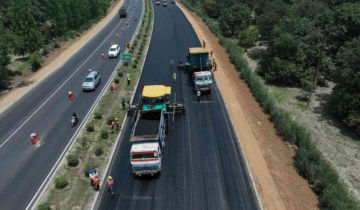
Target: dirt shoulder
x=269 y=158
x=55 y=60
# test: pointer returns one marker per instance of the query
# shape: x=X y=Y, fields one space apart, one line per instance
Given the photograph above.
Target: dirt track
x=270 y=160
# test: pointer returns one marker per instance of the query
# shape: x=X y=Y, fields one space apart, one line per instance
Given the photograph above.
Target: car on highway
x=114 y=51
x=91 y=81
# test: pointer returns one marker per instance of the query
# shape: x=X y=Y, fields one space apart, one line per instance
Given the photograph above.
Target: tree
x=212 y=8
x=27 y=34
x=292 y=52
x=235 y=19
x=5 y=45
x=345 y=98
x=248 y=37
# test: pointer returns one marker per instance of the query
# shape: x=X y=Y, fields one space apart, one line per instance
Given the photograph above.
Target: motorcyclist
x=75 y=116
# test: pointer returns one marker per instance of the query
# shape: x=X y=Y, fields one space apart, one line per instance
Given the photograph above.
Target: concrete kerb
x=123 y=123
x=77 y=133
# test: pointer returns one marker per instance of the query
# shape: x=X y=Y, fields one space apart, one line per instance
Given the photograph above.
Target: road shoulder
x=270 y=161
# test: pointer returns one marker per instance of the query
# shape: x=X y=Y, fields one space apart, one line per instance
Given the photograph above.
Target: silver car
x=114 y=51
x=91 y=81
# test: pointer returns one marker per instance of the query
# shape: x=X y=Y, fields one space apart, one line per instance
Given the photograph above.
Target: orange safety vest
x=96 y=181
x=110 y=182
x=113 y=86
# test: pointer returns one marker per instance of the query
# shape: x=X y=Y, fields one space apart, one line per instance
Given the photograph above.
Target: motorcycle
x=74 y=121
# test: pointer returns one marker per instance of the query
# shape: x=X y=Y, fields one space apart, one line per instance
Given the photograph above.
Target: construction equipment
x=122 y=12
x=200 y=69
x=152 y=115
x=164 y=3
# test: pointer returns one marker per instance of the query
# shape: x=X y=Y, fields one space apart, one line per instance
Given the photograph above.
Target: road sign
x=126 y=56
x=128 y=45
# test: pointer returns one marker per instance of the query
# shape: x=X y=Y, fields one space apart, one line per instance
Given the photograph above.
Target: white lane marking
x=58 y=88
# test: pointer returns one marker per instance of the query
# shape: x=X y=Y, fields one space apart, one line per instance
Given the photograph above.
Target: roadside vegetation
x=293 y=32
x=30 y=29
x=70 y=188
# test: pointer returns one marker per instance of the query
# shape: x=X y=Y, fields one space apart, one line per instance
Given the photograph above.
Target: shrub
x=71 y=34
x=44 y=206
x=98 y=150
x=134 y=66
x=35 y=59
x=117 y=80
x=120 y=74
x=90 y=127
x=126 y=63
x=131 y=50
x=104 y=134
x=138 y=57
x=98 y=115
x=45 y=52
x=134 y=44
x=73 y=160
x=89 y=165
x=61 y=182
x=110 y=119
x=136 y=61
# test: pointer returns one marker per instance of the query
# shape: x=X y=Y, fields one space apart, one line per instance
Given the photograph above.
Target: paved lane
x=46 y=110
x=203 y=167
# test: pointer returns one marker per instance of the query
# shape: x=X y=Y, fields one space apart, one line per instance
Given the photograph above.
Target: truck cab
x=146 y=158
x=203 y=80
x=173 y=1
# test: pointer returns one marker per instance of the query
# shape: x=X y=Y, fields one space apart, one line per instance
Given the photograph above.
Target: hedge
x=309 y=162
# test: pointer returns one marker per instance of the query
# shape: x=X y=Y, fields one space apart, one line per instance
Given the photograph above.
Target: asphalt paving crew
x=91 y=175
x=117 y=125
x=96 y=182
x=174 y=77
x=128 y=78
x=113 y=87
x=198 y=94
x=171 y=64
x=211 y=53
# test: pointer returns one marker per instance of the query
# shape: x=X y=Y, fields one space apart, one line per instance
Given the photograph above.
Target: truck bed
x=147 y=124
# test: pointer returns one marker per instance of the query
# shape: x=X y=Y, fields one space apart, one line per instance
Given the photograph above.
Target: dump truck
x=164 y=3
x=157 y=2
x=152 y=114
x=199 y=68
x=122 y=12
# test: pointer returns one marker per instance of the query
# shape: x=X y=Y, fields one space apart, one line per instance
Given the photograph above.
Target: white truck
x=203 y=80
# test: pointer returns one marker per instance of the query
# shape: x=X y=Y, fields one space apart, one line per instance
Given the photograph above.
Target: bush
x=126 y=63
x=120 y=74
x=89 y=165
x=73 y=160
x=134 y=66
x=44 y=206
x=138 y=57
x=71 y=34
x=117 y=80
x=35 y=60
x=45 y=52
x=90 y=127
x=110 y=119
x=134 y=44
x=98 y=115
x=104 y=134
x=136 y=62
x=61 y=182
x=131 y=50
x=98 y=150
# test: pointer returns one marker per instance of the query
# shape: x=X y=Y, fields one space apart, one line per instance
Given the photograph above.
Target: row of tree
x=26 y=26
x=293 y=31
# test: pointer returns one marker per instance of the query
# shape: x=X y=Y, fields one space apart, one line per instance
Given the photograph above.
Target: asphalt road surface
x=46 y=109
x=203 y=166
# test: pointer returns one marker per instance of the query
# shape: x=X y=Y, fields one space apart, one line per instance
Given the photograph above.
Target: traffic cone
x=122 y=30
x=102 y=56
x=35 y=139
x=89 y=70
x=71 y=96
x=117 y=36
x=111 y=44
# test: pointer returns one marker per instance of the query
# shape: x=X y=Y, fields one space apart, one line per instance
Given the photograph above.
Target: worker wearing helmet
x=110 y=181
x=198 y=94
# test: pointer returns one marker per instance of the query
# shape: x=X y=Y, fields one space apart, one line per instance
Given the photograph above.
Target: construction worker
x=128 y=78
x=215 y=67
x=112 y=127
x=96 y=182
x=171 y=64
x=174 y=77
x=211 y=52
x=123 y=103
x=204 y=42
x=213 y=61
x=110 y=182
x=117 y=125
x=198 y=94
x=91 y=175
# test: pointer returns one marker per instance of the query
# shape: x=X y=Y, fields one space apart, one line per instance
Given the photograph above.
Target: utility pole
x=317 y=69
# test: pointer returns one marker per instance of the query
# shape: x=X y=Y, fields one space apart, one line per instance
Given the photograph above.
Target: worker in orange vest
x=113 y=87
x=112 y=127
x=96 y=182
x=110 y=182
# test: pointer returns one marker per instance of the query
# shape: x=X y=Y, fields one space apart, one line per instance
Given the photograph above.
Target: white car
x=114 y=51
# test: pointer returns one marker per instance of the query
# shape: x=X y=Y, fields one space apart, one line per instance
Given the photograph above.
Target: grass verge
x=309 y=162
x=91 y=147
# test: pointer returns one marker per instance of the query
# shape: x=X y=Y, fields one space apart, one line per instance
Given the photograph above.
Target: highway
x=203 y=166
x=26 y=168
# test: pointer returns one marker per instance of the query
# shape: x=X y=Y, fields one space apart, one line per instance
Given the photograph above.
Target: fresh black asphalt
x=203 y=166
x=24 y=167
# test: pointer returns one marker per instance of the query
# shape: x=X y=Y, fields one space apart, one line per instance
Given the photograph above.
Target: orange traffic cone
x=102 y=56
x=117 y=36
x=34 y=138
x=71 y=96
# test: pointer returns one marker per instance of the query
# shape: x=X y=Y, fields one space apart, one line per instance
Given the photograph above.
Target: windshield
x=205 y=79
x=141 y=156
x=112 y=49
x=89 y=79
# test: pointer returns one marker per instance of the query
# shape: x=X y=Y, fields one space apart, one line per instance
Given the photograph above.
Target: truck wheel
x=159 y=174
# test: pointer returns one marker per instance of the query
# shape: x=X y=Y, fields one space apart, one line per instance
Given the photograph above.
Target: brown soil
x=23 y=84
x=269 y=158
